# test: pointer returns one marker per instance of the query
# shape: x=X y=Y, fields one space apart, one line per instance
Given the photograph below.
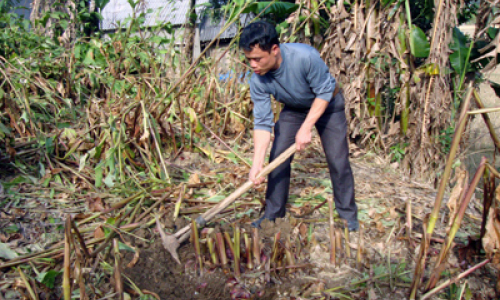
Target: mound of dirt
x=157 y=272
x=269 y=229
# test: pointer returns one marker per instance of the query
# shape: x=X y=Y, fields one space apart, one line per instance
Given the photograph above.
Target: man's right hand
x=254 y=171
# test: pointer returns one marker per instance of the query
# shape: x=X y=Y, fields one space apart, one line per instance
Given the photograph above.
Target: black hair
x=259 y=33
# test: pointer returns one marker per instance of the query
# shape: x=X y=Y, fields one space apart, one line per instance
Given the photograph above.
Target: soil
x=157 y=272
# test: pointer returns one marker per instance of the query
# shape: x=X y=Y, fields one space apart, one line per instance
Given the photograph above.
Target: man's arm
x=261 y=140
x=304 y=136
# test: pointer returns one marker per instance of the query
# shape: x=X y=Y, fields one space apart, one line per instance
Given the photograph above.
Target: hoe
x=173 y=241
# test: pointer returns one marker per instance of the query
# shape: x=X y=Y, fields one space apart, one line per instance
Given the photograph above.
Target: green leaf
x=458 y=58
x=98 y=176
x=492 y=32
x=109 y=181
x=89 y=58
x=419 y=45
x=48 y=278
x=6 y=252
x=4 y=129
x=216 y=198
x=122 y=246
x=387 y=2
x=83 y=160
x=279 y=9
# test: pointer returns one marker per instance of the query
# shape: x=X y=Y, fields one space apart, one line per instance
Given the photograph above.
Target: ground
x=384 y=270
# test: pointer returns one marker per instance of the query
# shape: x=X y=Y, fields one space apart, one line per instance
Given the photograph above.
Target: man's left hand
x=303 y=138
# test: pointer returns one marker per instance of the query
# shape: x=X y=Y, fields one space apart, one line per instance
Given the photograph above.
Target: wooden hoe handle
x=183 y=233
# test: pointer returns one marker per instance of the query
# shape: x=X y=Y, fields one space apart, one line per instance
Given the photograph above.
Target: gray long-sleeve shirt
x=301 y=77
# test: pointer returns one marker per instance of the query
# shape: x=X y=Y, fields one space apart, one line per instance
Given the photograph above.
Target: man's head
x=260 y=44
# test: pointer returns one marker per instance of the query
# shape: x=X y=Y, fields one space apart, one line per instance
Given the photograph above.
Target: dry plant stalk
x=290 y=259
x=196 y=241
x=275 y=250
x=211 y=249
x=67 y=260
x=237 y=243
x=454 y=280
x=222 y=249
x=346 y=240
x=409 y=224
x=359 y=254
x=439 y=196
x=455 y=226
x=256 y=246
x=338 y=242
x=248 y=250
x=27 y=284
x=332 y=232
x=117 y=270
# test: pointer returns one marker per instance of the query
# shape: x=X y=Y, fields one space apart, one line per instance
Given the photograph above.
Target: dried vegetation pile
x=103 y=136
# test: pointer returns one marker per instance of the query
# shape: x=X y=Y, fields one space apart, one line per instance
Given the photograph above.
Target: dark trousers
x=332 y=129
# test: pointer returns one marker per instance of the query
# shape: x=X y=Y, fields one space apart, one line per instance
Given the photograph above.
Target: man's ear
x=275 y=49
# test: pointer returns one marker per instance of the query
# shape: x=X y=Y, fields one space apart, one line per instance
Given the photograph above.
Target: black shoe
x=256 y=223
x=353 y=225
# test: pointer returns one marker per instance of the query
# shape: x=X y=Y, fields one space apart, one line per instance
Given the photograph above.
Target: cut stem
x=118 y=273
x=346 y=237
x=248 y=250
x=196 y=241
x=332 y=232
x=256 y=246
x=211 y=249
x=221 y=248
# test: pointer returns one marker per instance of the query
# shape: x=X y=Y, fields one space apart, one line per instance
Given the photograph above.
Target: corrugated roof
x=173 y=11
x=117 y=11
x=209 y=28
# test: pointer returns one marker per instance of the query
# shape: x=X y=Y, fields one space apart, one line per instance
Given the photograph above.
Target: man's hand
x=303 y=138
x=254 y=171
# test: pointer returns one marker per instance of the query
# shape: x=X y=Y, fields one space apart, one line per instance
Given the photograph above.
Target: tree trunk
x=189 y=33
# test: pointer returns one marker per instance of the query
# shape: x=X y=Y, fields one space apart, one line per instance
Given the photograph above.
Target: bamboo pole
x=439 y=196
x=454 y=280
x=456 y=225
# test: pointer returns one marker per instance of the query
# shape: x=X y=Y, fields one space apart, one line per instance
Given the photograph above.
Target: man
x=296 y=75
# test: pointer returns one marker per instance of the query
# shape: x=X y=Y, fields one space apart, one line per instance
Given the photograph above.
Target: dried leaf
x=455 y=195
x=95 y=204
x=491 y=239
x=99 y=233
x=194 y=178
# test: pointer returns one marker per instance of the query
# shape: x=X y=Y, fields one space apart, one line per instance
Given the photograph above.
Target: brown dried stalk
x=338 y=242
x=27 y=284
x=196 y=241
x=226 y=145
x=290 y=259
x=409 y=224
x=248 y=250
x=221 y=248
x=346 y=239
x=275 y=250
x=487 y=120
x=488 y=198
x=359 y=253
x=236 y=252
x=456 y=225
x=80 y=239
x=332 y=232
x=256 y=246
x=454 y=280
x=211 y=249
x=67 y=260
x=117 y=271
x=439 y=196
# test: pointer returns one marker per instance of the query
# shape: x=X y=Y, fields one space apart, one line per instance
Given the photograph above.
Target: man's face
x=262 y=61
